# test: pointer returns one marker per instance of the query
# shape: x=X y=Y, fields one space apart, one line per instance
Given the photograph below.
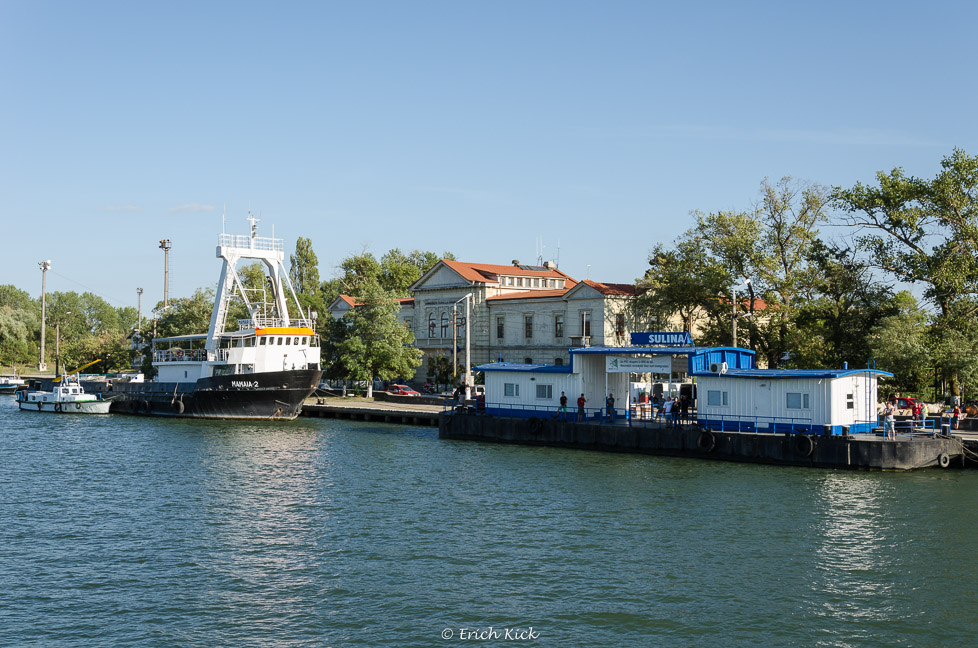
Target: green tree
x=186 y=315
x=378 y=345
x=901 y=345
x=925 y=232
x=304 y=270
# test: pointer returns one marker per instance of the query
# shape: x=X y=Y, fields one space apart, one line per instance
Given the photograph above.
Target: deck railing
x=252 y=243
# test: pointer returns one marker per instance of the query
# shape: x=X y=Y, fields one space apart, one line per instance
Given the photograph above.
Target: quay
x=358 y=409
x=853 y=451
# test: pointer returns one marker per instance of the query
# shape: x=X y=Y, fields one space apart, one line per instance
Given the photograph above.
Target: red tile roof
x=487 y=272
x=612 y=288
x=529 y=294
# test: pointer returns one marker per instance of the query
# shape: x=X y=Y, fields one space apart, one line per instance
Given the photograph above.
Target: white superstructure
x=270 y=339
x=67 y=397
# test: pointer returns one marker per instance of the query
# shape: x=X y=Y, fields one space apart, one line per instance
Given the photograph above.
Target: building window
x=585 y=323
x=511 y=389
x=409 y=325
x=431 y=325
x=500 y=327
x=444 y=325
x=545 y=392
x=620 y=324
x=519 y=282
x=558 y=326
x=850 y=401
x=716 y=398
x=536 y=282
x=527 y=360
x=528 y=326
x=796 y=400
x=558 y=361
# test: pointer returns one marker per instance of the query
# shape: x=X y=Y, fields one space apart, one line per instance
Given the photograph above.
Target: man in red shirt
x=580 y=408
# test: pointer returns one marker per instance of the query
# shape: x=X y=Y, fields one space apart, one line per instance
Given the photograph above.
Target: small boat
x=67 y=397
x=10 y=384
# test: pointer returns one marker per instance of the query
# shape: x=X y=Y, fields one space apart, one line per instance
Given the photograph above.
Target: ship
x=263 y=368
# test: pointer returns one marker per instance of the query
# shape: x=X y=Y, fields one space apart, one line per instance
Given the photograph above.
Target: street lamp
x=45 y=266
x=733 y=310
x=468 y=376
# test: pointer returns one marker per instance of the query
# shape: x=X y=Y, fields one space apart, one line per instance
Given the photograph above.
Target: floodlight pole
x=45 y=266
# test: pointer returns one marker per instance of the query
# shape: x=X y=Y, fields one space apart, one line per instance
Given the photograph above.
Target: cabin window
x=850 y=401
x=288 y=341
x=545 y=392
x=795 y=400
x=716 y=398
x=295 y=341
x=305 y=340
x=279 y=340
x=511 y=389
x=261 y=341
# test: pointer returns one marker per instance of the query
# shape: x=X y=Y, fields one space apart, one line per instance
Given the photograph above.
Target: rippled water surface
x=119 y=531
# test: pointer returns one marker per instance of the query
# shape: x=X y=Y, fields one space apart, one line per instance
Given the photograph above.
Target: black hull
x=271 y=395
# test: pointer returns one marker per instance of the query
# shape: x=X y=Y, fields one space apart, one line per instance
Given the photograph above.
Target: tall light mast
x=165 y=246
x=45 y=266
x=139 y=309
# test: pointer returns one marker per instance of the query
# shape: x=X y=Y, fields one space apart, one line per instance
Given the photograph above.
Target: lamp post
x=733 y=309
x=468 y=374
x=45 y=266
x=165 y=246
x=139 y=309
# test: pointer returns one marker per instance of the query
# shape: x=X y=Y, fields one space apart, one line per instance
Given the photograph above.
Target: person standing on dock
x=955 y=417
x=888 y=421
x=563 y=406
x=667 y=410
x=610 y=406
x=580 y=407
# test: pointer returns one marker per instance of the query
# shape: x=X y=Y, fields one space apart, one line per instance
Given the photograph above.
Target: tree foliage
x=304 y=270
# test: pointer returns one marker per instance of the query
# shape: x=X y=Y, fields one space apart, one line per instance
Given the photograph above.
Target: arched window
x=558 y=361
x=431 y=325
x=444 y=325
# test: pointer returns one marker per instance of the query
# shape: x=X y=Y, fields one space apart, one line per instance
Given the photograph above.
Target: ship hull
x=268 y=395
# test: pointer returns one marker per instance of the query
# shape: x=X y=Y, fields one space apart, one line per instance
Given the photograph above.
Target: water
x=124 y=531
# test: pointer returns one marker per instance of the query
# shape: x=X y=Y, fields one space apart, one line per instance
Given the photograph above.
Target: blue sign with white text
x=672 y=338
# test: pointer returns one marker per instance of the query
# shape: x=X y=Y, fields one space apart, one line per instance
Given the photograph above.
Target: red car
x=402 y=390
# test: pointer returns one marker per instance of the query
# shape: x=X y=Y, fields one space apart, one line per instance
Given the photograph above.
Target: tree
x=925 y=232
x=186 y=315
x=378 y=345
x=900 y=344
x=304 y=270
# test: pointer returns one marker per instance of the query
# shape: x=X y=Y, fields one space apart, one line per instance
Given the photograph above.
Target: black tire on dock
x=943 y=460
x=804 y=445
x=147 y=406
x=178 y=407
x=706 y=441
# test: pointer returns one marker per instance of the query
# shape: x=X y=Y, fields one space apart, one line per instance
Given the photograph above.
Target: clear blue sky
x=478 y=128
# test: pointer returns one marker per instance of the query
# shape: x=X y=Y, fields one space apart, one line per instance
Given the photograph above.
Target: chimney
x=516 y=262
x=549 y=265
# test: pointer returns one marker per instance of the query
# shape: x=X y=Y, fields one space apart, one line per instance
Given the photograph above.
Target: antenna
x=254 y=224
x=224 y=215
x=558 y=253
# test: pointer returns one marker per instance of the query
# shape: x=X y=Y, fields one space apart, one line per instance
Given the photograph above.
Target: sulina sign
x=672 y=338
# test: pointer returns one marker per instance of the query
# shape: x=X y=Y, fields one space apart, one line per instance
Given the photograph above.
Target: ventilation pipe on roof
x=516 y=262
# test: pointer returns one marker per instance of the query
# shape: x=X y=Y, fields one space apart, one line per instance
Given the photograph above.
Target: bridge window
x=796 y=400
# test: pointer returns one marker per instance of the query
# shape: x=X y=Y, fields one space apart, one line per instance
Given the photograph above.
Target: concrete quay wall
x=856 y=452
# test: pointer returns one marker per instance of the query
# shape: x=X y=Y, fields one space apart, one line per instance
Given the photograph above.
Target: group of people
x=674 y=411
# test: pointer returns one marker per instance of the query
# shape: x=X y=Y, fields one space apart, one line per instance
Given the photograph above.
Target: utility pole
x=165 y=246
x=139 y=309
x=45 y=266
x=733 y=309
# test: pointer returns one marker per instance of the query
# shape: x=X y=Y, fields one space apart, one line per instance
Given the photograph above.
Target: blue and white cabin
x=782 y=400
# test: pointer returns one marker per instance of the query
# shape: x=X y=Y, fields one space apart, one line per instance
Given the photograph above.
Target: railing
x=189 y=355
x=253 y=243
x=757 y=424
x=272 y=322
x=926 y=427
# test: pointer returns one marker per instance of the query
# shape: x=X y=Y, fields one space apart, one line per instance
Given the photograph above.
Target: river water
x=126 y=531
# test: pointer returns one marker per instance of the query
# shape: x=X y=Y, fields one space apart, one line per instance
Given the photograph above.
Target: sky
x=582 y=132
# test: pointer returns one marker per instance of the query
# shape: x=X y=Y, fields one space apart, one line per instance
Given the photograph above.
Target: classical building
x=518 y=313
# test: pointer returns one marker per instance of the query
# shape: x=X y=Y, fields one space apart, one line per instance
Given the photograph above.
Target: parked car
x=402 y=390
